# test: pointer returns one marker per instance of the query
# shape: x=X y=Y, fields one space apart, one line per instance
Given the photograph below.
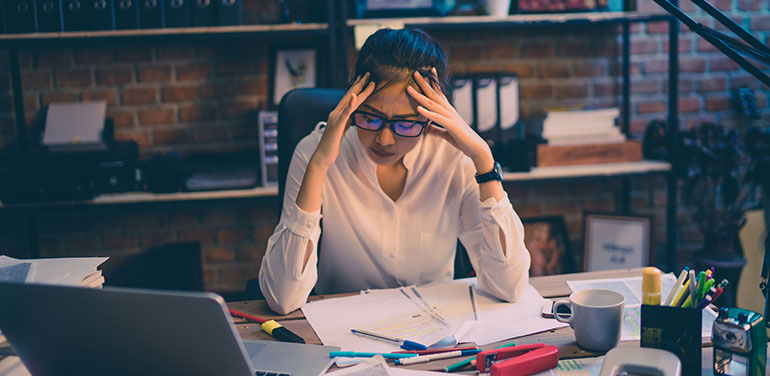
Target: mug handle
x=556 y=305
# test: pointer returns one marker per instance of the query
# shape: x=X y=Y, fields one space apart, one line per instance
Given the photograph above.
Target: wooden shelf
x=148 y=197
x=219 y=31
x=593 y=170
x=519 y=19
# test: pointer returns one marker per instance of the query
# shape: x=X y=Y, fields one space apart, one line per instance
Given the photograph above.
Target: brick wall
x=204 y=95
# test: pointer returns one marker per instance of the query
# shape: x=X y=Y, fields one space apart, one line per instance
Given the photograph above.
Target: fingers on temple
x=427 y=102
x=433 y=116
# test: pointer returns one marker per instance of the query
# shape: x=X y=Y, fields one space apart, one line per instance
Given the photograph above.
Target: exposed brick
x=235 y=276
x=603 y=88
x=712 y=84
x=723 y=5
x=254 y=86
x=533 y=49
x=243 y=131
x=718 y=103
x=465 y=53
x=568 y=91
x=196 y=112
x=497 y=51
x=743 y=79
x=644 y=46
x=174 y=94
x=554 y=70
x=120 y=241
x=656 y=66
x=252 y=252
x=218 y=90
x=133 y=54
x=562 y=207
x=201 y=235
x=155 y=238
x=233 y=235
x=684 y=45
x=657 y=27
x=193 y=71
x=651 y=107
x=483 y=68
x=760 y=23
x=54 y=58
x=154 y=73
x=169 y=136
x=234 y=67
x=141 y=137
x=218 y=254
x=115 y=76
x=689 y=104
x=589 y=68
x=93 y=56
x=111 y=96
x=73 y=77
x=184 y=51
x=122 y=119
x=238 y=109
x=209 y=134
x=59 y=97
x=156 y=116
x=262 y=233
x=139 y=95
x=535 y=90
x=36 y=80
x=574 y=48
x=705 y=46
x=750 y=5
x=645 y=87
x=718 y=64
x=692 y=64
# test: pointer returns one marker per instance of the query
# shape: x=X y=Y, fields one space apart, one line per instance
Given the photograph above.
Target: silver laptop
x=59 y=330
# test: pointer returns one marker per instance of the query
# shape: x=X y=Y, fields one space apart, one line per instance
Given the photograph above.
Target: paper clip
x=520 y=360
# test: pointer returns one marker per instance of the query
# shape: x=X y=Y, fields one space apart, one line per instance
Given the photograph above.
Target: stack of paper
x=582 y=127
x=69 y=271
x=425 y=314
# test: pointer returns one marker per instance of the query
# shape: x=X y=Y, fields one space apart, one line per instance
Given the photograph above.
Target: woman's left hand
x=436 y=107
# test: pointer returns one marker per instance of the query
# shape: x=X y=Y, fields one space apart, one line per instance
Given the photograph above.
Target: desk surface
x=548 y=286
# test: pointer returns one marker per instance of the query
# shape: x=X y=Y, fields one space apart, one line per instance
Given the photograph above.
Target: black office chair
x=298 y=113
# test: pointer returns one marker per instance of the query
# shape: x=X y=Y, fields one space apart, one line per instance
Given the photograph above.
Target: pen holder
x=677 y=330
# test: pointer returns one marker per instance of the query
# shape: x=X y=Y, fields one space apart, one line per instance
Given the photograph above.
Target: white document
x=576 y=367
x=486 y=103
x=631 y=289
x=74 y=123
x=69 y=271
x=509 y=101
x=463 y=100
x=400 y=313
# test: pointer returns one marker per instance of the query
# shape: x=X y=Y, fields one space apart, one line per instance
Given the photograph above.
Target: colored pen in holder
x=677 y=330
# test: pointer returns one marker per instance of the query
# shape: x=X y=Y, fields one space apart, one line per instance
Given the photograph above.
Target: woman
x=394 y=174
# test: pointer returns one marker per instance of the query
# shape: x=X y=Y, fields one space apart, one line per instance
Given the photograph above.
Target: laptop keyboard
x=269 y=373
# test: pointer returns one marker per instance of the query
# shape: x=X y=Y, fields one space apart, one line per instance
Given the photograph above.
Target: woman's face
x=391 y=103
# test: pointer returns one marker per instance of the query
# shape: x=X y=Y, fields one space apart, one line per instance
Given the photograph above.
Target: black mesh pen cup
x=677 y=330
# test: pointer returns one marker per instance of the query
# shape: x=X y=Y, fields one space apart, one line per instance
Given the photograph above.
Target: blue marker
x=353 y=354
x=403 y=343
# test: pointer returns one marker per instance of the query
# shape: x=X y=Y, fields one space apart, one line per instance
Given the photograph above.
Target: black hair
x=392 y=56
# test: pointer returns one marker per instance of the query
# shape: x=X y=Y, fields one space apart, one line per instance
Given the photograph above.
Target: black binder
x=102 y=16
x=178 y=13
x=20 y=16
x=487 y=111
x=126 y=14
x=49 y=16
x=203 y=13
x=74 y=15
x=230 y=12
x=151 y=14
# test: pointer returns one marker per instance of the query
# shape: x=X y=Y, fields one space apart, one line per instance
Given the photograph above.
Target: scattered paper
x=631 y=289
x=576 y=367
x=374 y=366
x=12 y=366
x=68 y=271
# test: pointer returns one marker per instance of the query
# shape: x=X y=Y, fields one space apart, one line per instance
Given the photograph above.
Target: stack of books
x=586 y=127
x=68 y=271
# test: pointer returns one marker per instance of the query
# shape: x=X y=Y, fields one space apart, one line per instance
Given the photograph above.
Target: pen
x=716 y=294
x=677 y=286
x=699 y=291
x=271 y=327
x=434 y=351
x=693 y=288
x=681 y=295
x=353 y=354
x=708 y=285
x=403 y=343
x=466 y=362
x=428 y=358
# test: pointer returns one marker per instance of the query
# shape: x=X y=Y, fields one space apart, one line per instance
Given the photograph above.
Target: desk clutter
x=66 y=271
x=32 y=16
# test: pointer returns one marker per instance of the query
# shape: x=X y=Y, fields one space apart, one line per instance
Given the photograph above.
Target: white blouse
x=370 y=241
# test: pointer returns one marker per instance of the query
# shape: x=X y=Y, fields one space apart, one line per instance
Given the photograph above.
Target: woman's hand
x=436 y=107
x=339 y=121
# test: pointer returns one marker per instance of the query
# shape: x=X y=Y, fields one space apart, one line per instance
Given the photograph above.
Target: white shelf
x=593 y=170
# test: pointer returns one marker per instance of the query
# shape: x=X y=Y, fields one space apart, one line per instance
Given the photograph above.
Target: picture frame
x=547 y=241
x=291 y=69
x=616 y=241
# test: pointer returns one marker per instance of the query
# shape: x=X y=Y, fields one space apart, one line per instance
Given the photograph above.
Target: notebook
x=60 y=330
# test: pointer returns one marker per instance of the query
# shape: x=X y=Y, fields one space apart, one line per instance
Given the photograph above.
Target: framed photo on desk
x=547 y=241
x=613 y=241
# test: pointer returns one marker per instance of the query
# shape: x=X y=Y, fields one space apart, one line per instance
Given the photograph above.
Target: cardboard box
x=567 y=155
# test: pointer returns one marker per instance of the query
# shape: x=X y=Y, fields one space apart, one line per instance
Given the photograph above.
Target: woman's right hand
x=339 y=121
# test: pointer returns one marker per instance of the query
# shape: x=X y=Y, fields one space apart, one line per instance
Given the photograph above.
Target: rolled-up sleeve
x=284 y=281
x=503 y=273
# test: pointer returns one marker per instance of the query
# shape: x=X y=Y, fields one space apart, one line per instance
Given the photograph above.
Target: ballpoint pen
x=677 y=285
x=444 y=355
x=354 y=354
x=403 y=343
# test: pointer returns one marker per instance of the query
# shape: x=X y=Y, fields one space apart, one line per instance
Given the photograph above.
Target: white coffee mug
x=597 y=316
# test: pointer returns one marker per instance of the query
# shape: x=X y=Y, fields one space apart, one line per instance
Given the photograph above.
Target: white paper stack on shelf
x=68 y=271
x=582 y=127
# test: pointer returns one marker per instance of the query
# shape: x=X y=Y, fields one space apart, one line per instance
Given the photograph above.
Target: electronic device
x=547 y=312
x=740 y=343
x=640 y=361
x=58 y=330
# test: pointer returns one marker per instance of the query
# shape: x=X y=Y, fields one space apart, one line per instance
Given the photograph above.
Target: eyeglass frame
x=424 y=123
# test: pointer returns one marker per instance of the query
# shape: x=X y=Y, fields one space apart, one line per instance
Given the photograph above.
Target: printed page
x=576 y=367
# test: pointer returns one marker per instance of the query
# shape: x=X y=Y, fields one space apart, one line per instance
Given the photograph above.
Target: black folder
x=49 y=16
x=126 y=14
x=102 y=16
x=20 y=16
x=151 y=14
x=230 y=12
x=203 y=13
x=178 y=13
x=74 y=15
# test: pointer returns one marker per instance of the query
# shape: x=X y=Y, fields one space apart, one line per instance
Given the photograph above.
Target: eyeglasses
x=403 y=128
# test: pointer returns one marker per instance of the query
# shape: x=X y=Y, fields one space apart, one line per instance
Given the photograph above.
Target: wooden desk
x=549 y=287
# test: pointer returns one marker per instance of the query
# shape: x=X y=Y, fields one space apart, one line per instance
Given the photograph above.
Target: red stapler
x=520 y=360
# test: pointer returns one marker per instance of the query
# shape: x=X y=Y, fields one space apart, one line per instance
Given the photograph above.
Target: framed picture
x=614 y=241
x=547 y=241
x=291 y=69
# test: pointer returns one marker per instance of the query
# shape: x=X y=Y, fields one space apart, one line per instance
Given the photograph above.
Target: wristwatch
x=495 y=174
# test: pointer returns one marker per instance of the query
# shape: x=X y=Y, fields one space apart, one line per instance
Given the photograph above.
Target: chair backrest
x=298 y=113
